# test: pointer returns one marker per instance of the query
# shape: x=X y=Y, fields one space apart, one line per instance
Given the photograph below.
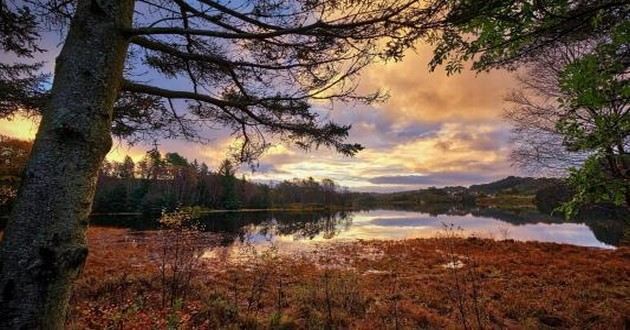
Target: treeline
x=433 y=196
x=165 y=182
x=413 y=198
x=159 y=182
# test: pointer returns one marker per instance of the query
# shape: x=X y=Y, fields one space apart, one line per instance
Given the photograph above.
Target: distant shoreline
x=312 y=209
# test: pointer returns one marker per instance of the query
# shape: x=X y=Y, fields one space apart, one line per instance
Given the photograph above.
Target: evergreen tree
x=229 y=197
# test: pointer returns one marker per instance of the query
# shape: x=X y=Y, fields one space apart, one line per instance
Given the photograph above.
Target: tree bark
x=44 y=245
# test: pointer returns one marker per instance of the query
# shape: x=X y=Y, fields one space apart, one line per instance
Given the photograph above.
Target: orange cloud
x=419 y=95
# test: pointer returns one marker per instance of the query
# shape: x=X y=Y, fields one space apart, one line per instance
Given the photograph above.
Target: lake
x=297 y=230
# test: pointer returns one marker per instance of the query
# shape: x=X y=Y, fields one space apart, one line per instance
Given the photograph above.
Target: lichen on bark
x=44 y=245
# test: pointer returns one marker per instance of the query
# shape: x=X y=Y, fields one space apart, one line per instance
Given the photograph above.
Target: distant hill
x=515 y=185
x=511 y=186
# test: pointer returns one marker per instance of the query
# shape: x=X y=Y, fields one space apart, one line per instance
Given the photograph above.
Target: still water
x=289 y=230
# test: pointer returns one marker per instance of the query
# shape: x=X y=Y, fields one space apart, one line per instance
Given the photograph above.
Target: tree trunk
x=44 y=245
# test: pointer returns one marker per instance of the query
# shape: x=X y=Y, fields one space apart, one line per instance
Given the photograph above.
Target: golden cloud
x=419 y=95
x=454 y=148
x=19 y=128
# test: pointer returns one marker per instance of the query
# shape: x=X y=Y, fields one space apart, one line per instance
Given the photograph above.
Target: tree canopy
x=502 y=33
x=253 y=67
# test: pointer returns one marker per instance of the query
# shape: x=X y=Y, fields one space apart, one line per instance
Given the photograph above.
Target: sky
x=434 y=130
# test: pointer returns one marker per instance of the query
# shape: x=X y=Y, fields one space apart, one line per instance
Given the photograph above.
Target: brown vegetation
x=435 y=283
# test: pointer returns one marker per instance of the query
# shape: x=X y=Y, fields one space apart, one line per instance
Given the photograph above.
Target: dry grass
x=434 y=283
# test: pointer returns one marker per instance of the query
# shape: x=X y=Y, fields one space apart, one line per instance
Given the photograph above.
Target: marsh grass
x=465 y=290
x=448 y=282
x=180 y=252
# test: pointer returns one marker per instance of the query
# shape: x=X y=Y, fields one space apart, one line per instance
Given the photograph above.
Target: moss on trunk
x=44 y=245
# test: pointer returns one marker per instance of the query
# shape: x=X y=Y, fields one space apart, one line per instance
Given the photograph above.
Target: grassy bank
x=130 y=282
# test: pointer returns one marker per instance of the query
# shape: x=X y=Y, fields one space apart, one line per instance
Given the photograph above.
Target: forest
x=161 y=183
x=169 y=182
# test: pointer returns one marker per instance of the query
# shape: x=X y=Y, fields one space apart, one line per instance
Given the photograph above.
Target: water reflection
x=295 y=229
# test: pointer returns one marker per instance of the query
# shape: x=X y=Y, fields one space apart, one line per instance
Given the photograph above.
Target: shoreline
x=279 y=209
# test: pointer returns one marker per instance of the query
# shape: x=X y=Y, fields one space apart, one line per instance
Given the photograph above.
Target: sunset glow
x=433 y=130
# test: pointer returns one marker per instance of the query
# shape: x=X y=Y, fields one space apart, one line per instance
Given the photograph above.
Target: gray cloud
x=439 y=179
